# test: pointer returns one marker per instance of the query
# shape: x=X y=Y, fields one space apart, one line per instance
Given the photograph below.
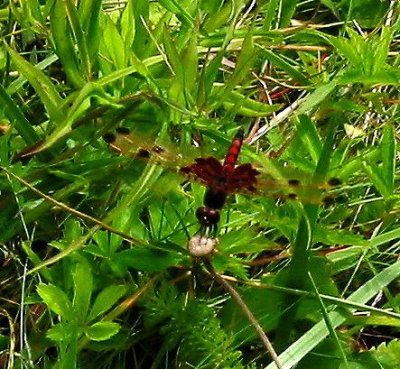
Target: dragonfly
x=220 y=179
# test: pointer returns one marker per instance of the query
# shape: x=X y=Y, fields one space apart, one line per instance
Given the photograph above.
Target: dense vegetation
x=95 y=269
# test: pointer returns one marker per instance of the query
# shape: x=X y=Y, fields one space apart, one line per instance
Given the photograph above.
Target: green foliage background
x=95 y=271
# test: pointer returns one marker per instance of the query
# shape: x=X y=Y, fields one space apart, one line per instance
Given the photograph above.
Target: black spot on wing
x=334 y=182
x=293 y=182
x=109 y=137
x=123 y=131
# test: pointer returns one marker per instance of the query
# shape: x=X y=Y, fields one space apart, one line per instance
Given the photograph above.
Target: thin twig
x=70 y=210
x=252 y=319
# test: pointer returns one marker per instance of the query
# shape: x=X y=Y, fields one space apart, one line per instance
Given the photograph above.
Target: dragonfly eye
x=207 y=216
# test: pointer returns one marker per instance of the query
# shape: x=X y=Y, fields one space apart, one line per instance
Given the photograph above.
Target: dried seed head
x=200 y=246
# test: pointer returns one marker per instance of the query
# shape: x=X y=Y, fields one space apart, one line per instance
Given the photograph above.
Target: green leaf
x=309 y=136
x=176 y=7
x=106 y=299
x=79 y=36
x=220 y=17
x=247 y=106
x=128 y=25
x=60 y=332
x=83 y=285
x=147 y=259
x=207 y=78
x=388 y=354
x=114 y=45
x=295 y=352
x=244 y=63
x=56 y=300
x=388 y=147
x=281 y=63
x=63 y=42
x=173 y=57
x=375 y=175
x=380 y=49
x=190 y=61
x=390 y=76
x=296 y=277
x=89 y=13
x=368 y=13
x=316 y=97
x=42 y=85
x=102 y=331
x=14 y=114
x=270 y=17
x=288 y=8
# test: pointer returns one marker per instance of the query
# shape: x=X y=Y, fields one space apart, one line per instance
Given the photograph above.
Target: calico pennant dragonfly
x=221 y=180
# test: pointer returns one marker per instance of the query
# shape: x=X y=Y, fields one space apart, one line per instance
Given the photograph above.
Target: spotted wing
x=246 y=178
x=206 y=170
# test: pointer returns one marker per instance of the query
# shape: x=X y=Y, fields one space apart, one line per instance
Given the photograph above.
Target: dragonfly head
x=207 y=217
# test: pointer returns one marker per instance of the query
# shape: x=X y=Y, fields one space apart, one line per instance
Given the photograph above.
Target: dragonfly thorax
x=214 y=197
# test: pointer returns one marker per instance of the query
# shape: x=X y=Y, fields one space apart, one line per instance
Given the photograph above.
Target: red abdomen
x=233 y=152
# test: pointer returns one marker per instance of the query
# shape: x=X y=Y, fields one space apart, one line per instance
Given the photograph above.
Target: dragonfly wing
x=204 y=169
x=243 y=178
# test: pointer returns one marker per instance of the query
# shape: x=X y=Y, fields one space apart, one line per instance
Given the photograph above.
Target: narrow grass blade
x=319 y=332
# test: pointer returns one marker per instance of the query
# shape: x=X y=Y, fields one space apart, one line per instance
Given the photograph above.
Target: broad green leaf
x=56 y=300
x=72 y=230
x=316 y=97
x=270 y=17
x=246 y=106
x=390 y=76
x=17 y=118
x=190 y=61
x=18 y=83
x=79 y=36
x=220 y=17
x=380 y=49
x=128 y=26
x=147 y=259
x=296 y=277
x=141 y=11
x=114 y=45
x=61 y=332
x=83 y=285
x=176 y=7
x=368 y=13
x=308 y=134
x=89 y=15
x=288 y=8
x=281 y=63
x=42 y=85
x=375 y=175
x=64 y=45
x=388 y=354
x=173 y=57
x=388 y=147
x=102 y=331
x=106 y=299
x=244 y=63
